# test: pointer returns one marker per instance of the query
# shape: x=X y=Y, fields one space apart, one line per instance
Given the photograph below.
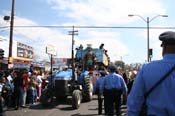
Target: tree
x=120 y=64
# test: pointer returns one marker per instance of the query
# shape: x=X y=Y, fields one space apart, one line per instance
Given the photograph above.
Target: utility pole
x=73 y=33
x=50 y=50
x=51 y=67
x=148 y=20
x=51 y=64
x=11 y=33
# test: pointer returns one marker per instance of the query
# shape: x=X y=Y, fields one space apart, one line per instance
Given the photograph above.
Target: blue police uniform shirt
x=161 y=101
x=115 y=81
x=99 y=84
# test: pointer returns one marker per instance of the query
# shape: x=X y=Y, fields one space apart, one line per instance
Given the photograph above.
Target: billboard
x=24 y=51
x=50 y=49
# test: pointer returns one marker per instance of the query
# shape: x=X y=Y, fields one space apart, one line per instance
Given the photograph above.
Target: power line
x=100 y=27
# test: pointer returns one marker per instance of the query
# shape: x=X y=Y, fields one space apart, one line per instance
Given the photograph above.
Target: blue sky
x=129 y=45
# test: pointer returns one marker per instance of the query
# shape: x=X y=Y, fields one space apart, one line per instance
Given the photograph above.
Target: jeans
x=32 y=95
x=23 y=96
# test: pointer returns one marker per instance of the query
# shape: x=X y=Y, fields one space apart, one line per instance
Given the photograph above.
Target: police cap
x=112 y=67
x=167 y=37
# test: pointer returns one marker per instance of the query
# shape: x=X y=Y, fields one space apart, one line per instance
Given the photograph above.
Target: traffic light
x=150 y=53
x=1 y=53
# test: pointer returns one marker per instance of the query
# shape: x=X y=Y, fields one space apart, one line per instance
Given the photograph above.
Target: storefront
x=21 y=59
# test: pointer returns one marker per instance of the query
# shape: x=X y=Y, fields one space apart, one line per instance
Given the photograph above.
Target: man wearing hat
x=114 y=86
x=161 y=101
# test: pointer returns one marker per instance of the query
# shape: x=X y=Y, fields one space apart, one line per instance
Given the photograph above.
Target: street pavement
x=61 y=108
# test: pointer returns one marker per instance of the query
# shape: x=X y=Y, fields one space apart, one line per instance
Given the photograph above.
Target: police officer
x=114 y=86
x=99 y=90
x=161 y=101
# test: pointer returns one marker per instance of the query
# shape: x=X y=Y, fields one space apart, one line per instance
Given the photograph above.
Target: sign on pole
x=50 y=49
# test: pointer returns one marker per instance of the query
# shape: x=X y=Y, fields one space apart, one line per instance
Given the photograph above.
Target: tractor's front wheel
x=46 y=97
x=76 y=99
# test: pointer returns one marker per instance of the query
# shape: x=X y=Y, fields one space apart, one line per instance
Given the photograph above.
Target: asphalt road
x=59 y=108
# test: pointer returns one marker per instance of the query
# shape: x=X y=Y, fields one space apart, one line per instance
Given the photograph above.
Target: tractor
x=79 y=80
x=61 y=85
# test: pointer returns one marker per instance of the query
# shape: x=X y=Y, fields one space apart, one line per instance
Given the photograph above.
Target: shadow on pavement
x=40 y=107
x=54 y=104
x=84 y=115
x=66 y=108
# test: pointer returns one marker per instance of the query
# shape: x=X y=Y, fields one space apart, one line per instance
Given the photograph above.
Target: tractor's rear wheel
x=87 y=88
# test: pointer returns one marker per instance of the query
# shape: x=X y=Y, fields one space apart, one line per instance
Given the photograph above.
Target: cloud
x=109 y=13
x=105 y=12
x=111 y=40
x=39 y=37
x=90 y=13
x=154 y=42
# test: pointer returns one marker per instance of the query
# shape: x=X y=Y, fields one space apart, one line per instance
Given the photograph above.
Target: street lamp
x=148 y=20
x=6 y=18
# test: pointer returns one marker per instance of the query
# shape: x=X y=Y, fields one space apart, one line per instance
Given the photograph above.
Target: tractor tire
x=46 y=97
x=76 y=99
x=87 y=89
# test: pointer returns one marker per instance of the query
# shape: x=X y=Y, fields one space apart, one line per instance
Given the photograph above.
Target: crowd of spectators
x=24 y=87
